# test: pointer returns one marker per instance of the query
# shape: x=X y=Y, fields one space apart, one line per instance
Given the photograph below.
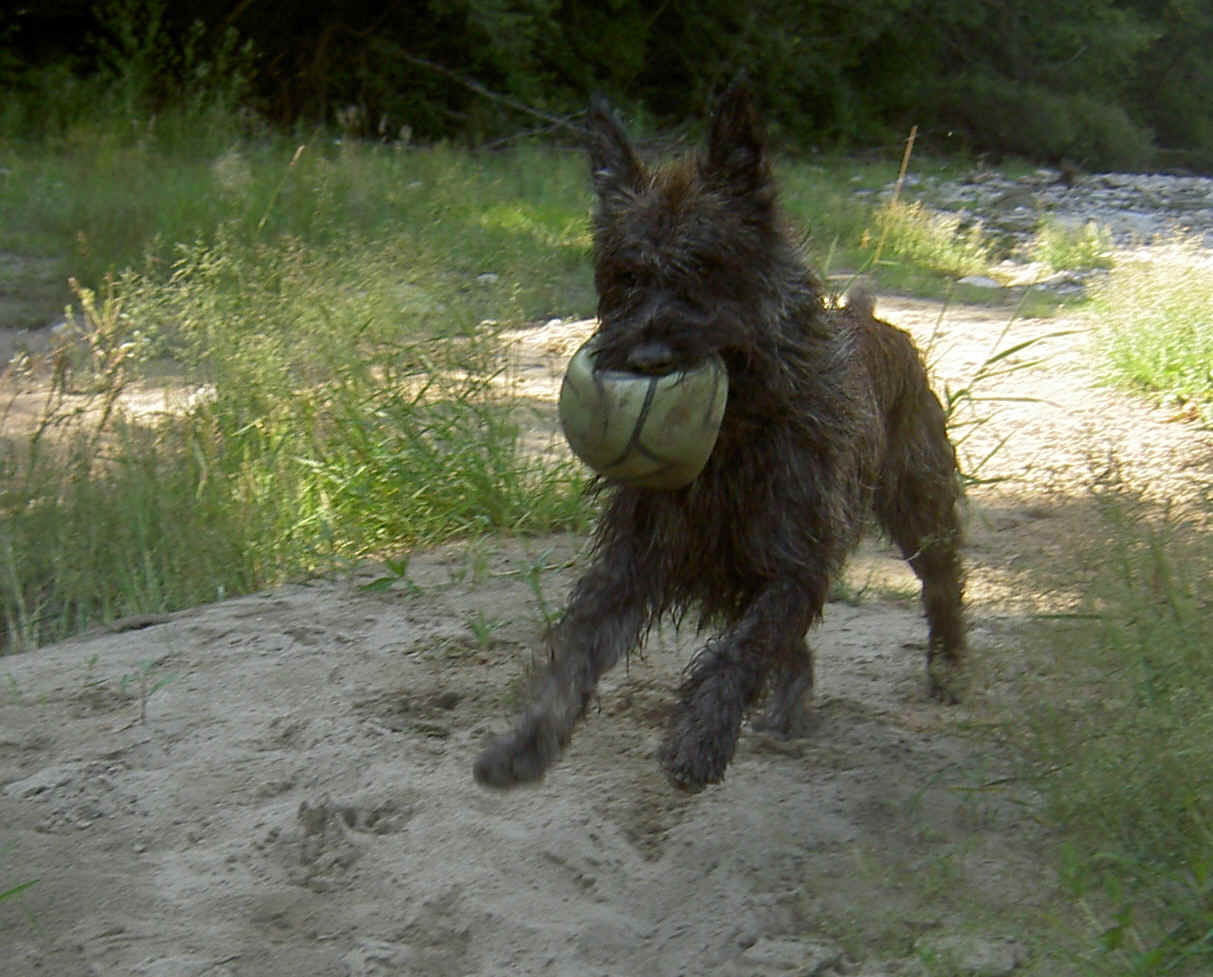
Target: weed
x=1069 y=247
x=148 y=682
x=483 y=628
x=1152 y=325
x=17 y=889
x=397 y=572
x=935 y=242
x=91 y=679
x=479 y=551
x=971 y=405
x=534 y=580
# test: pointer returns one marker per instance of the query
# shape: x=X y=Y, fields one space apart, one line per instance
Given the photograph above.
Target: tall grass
x=1069 y=247
x=900 y=244
x=936 y=242
x=1122 y=741
x=310 y=442
x=335 y=320
x=1152 y=324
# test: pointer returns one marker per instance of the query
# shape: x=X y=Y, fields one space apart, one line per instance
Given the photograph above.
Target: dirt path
x=299 y=800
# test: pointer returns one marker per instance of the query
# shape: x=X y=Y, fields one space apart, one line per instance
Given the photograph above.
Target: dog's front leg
x=607 y=614
x=728 y=675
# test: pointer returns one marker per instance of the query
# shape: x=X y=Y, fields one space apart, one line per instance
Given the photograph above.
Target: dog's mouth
x=666 y=343
x=649 y=357
x=653 y=358
x=646 y=358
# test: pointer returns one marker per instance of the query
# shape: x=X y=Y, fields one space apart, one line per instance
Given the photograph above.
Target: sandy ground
x=297 y=798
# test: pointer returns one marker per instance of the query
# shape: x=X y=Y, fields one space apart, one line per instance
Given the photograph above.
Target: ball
x=636 y=429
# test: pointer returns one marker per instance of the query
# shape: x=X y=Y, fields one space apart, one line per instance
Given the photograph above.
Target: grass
x=314 y=441
x=1152 y=325
x=339 y=316
x=101 y=205
x=902 y=245
x=1120 y=735
x=1119 y=732
x=931 y=242
x=1066 y=247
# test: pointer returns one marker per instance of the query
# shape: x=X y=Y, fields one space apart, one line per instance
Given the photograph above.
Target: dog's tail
x=861 y=301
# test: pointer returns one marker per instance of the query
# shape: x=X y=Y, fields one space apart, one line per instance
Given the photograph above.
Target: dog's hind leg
x=918 y=506
x=787 y=711
x=935 y=560
x=606 y=617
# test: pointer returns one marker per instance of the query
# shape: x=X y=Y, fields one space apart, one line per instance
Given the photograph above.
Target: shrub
x=1152 y=326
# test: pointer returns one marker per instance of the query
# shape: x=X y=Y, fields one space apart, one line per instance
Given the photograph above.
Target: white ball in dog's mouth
x=648 y=431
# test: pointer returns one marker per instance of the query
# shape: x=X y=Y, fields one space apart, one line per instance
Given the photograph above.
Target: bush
x=1071 y=247
x=1152 y=324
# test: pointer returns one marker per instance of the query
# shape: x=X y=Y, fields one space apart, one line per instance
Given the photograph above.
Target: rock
x=790 y=956
x=979 y=281
x=972 y=956
x=376 y=958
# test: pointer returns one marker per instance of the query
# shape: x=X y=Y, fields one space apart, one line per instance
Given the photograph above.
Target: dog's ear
x=737 y=145
x=613 y=163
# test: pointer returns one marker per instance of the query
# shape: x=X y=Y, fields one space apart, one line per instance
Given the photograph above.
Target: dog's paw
x=691 y=763
x=786 y=717
x=797 y=725
x=944 y=684
x=520 y=757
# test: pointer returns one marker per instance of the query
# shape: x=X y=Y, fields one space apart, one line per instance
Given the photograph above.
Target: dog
x=830 y=419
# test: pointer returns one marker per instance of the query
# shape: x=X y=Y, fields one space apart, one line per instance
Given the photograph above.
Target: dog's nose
x=651 y=357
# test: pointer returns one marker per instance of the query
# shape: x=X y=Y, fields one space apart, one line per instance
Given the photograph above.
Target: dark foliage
x=1092 y=81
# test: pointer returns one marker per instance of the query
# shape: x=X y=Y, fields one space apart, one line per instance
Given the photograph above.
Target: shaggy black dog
x=830 y=418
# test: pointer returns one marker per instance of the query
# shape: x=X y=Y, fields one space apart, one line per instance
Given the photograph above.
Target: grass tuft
x=931 y=241
x=1152 y=325
x=1068 y=247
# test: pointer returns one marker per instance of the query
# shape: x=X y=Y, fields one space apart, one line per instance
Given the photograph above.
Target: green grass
x=1120 y=736
x=819 y=201
x=1152 y=324
x=933 y=242
x=102 y=205
x=342 y=315
x=903 y=246
x=319 y=436
x=1065 y=247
